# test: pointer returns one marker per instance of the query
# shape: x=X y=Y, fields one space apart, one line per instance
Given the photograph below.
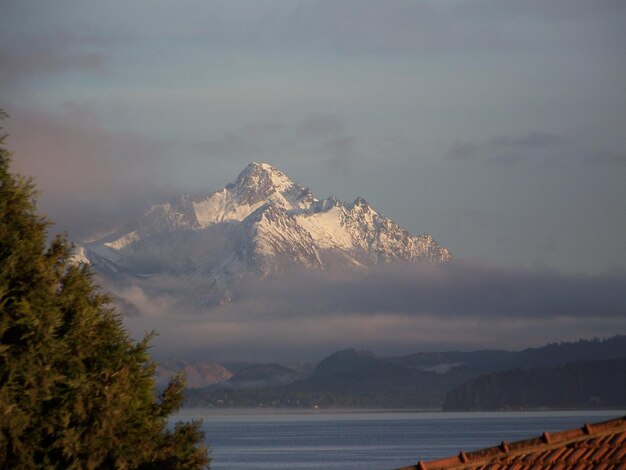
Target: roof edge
x=547 y=441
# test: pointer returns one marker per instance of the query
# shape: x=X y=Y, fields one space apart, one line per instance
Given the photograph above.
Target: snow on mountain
x=261 y=223
x=257 y=185
x=277 y=236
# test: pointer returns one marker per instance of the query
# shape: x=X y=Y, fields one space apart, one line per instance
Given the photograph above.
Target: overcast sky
x=497 y=126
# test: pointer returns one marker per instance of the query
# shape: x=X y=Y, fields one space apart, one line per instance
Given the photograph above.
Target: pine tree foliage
x=75 y=391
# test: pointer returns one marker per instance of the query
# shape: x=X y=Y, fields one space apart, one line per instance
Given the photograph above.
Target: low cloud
x=342 y=152
x=91 y=178
x=395 y=309
x=533 y=146
x=28 y=56
x=451 y=291
x=321 y=125
x=509 y=148
x=535 y=139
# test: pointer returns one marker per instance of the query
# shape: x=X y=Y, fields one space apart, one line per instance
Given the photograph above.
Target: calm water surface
x=365 y=440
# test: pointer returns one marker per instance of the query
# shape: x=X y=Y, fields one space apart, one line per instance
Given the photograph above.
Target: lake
x=365 y=440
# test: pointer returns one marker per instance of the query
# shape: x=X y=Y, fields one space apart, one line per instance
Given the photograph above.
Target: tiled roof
x=599 y=446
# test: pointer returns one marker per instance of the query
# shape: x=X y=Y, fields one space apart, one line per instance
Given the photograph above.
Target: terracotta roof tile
x=599 y=453
x=611 y=455
x=577 y=455
x=596 y=454
x=617 y=453
x=596 y=446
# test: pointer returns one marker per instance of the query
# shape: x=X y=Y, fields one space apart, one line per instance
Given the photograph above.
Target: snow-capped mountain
x=261 y=223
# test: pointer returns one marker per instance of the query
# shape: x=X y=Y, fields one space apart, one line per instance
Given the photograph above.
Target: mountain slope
x=260 y=224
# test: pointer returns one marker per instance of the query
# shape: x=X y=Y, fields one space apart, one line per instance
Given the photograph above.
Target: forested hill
x=353 y=378
x=490 y=360
x=588 y=384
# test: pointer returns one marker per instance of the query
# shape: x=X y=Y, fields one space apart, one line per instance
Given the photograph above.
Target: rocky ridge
x=260 y=224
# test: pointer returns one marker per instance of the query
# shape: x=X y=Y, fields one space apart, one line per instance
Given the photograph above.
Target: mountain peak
x=255 y=167
x=360 y=202
x=262 y=222
x=261 y=182
x=261 y=173
x=264 y=166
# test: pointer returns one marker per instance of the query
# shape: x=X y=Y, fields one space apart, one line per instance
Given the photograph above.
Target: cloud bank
x=395 y=309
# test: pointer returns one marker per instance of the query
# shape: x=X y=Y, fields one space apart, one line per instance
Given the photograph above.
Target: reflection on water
x=264 y=439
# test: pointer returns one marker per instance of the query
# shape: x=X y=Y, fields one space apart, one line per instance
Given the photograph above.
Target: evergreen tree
x=75 y=391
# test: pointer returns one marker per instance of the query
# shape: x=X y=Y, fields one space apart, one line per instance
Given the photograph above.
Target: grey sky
x=497 y=126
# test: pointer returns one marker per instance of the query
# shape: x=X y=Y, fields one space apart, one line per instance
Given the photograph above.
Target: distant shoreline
x=194 y=411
